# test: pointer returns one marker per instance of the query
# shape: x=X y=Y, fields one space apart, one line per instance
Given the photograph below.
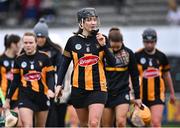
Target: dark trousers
x=56 y=115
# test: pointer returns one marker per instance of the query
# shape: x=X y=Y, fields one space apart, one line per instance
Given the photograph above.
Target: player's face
x=116 y=45
x=41 y=41
x=30 y=45
x=90 y=24
x=149 y=45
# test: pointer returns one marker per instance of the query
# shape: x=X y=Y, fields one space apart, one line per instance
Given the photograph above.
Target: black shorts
x=120 y=98
x=82 y=98
x=34 y=101
x=155 y=102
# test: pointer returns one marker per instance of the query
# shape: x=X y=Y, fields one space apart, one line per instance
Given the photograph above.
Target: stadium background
x=131 y=16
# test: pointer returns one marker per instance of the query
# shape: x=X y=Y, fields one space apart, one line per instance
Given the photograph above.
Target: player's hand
x=58 y=91
x=50 y=94
x=101 y=39
x=138 y=102
x=172 y=98
x=6 y=105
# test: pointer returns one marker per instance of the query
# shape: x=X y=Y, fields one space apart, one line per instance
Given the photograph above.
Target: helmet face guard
x=86 y=13
x=149 y=34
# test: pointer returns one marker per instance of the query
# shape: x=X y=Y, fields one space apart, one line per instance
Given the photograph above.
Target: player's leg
x=73 y=118
x=107 y=117
x=26 y=115
x=156 y=115
x=121 y=114
x=82 y=114
x=40 y=118
x=95 y=114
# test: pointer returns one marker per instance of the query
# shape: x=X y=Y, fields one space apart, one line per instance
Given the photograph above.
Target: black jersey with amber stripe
x=118 y=76
x=6 y=74
x=88 y=59
x=34 y=72
x=151 y=68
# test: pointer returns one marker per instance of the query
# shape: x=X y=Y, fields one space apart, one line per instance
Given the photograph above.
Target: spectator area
x=62 y=12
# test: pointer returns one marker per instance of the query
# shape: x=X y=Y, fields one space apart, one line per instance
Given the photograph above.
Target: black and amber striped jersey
x=118 y=76
x=6 y=74
x=151 y=69
x=33 y=72
x=88 y=59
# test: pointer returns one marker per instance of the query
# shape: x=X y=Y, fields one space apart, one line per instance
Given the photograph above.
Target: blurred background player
x=87 y=48
x=117 y=105
x=34 y=76
x=154 y=70
x=57 y=111
x=12 y=48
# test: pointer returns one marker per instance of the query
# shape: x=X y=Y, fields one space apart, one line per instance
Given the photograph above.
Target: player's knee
x=27 y=124
x=93 y=123
x=156 y=122
x=121 y=122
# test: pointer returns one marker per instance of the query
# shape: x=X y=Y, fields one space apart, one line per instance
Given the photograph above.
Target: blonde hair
x=30 y=34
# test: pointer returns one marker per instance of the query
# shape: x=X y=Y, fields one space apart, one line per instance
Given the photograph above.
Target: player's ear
x=81 y=24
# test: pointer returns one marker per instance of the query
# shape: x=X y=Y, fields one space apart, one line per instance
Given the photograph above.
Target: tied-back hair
x=9 y=39
x=115 y=35
x=80 y=30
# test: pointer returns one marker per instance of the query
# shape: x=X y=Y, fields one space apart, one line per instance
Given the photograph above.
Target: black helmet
x=85 y=13
x=149 y=34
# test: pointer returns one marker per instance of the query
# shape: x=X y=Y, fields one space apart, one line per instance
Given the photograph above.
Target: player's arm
x=167 y=77
x=16 y=81
x=134 y=75
x=58 y=59
x=49 y=70
x=169 y=83
x=103 y=42
x=66 y=60
x=50 y=78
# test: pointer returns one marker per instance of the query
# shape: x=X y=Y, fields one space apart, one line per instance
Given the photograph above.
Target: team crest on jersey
x=142 y=60
x=78 y=46
x=32 y=76
x=122 y=58
x=23 y=64
x=88 y=60
x=6 y=63
x=151 y=73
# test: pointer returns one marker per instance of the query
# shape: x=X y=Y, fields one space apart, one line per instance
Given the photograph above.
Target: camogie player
x=154 y=70
x=87 y=48
x=118 y=76
x=12 y=48
x=34 y=76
